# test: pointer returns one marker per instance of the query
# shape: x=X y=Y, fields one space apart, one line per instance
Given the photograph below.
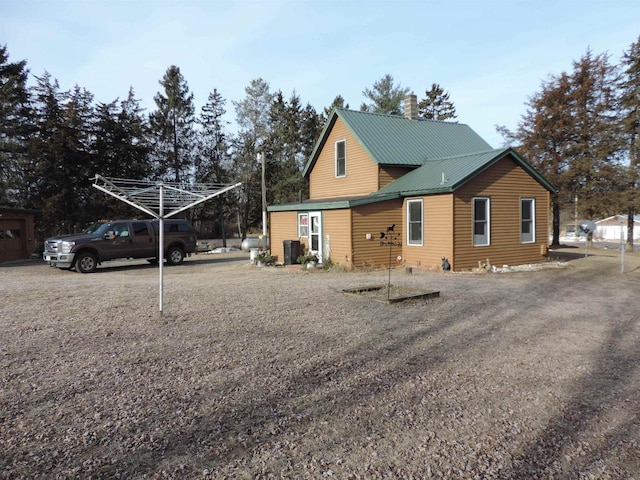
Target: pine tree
x=212 y=164
x=570 y=134
x=544 y=136
x=252 y=113
x=285 y=150
x=596 y=151
x=42 y=172
x=133 y=142
x=122 y=139
x=384 y=97
x=630 y=104
x=213 y=150
x=121 y=149
x=60 y=154
x=338 y=102
x=247 y=197
x=79 y=160
x=172 y=128
x=436 y=105
x=311 y=127
x=15 y=128
x=252 y=116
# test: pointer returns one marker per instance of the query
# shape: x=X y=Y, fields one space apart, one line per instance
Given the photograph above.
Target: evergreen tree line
x=582 y=131
x=53 y=143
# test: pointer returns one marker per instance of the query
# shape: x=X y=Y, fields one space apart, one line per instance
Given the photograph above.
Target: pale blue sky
x=490 y=55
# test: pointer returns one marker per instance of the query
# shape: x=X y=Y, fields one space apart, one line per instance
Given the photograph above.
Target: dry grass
x=269 y=373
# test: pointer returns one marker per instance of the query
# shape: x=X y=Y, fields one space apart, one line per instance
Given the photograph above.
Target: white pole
x=264 y=200
x=161 y=243
x=622 y=247
x=575 y=219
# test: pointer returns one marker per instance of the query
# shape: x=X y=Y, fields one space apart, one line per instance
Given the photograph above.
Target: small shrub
x=307 y=258
x=265 y=258
x=328 y=264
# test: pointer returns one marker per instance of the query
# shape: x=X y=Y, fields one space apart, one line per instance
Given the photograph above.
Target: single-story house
x=17 y=233
x=609 y=228
x=438 y=187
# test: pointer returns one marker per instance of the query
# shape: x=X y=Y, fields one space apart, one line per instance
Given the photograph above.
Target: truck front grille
x=51 y=246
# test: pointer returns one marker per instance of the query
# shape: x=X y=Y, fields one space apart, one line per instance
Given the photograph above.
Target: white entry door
x=315 y=233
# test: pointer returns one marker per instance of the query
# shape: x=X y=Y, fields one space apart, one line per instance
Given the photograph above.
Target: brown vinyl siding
x=336 y=224
x=284 y=226
x=387 y=174
x=437 y=234
x=361 y=172
x=504 y=183
x=373 y=219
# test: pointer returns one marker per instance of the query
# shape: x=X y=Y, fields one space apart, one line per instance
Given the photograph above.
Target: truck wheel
x=86 y=262
x=175 y=255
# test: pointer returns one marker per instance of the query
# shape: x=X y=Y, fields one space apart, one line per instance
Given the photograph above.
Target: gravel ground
x=274 y=373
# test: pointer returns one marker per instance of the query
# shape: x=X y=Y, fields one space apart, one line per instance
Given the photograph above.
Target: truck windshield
x=96 y=228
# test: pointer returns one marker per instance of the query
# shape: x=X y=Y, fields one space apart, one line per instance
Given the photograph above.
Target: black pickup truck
x=110 y=240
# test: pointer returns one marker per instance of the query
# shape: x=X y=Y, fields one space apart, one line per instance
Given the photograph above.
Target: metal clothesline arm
x=144 y=196
x=121 y=195
x=204 y=199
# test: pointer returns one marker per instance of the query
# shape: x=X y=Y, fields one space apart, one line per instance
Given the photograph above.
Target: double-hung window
x=481 y=222
x=527 y=220
x=303 y=225
x=414 y=222
x=341 y=158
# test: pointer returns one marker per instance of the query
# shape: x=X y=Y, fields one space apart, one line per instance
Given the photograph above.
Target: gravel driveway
x=274 y=373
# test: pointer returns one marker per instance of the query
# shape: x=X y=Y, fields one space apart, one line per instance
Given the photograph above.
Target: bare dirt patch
x=268 y=373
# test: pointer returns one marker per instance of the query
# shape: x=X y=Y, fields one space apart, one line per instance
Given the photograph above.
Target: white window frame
x=532 y=220
x=343 y=141
x=301 y=234
x=409 y=222
x=487 y=221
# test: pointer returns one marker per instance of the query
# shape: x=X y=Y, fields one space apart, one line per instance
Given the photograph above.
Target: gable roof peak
x=391 y=116
x=449 y=173
x=395 y=140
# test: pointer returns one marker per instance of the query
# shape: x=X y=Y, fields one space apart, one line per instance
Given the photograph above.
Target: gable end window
x=414 y=222
x=481 y=222
x=341 y=158
x=527 y=220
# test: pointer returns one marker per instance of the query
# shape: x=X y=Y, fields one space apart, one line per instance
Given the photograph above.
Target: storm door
x=315 y=233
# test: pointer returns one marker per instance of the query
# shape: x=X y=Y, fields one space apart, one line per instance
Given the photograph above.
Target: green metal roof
x=447 y=174
x=397 y=140
x=440 y=175
x=332 y=203
x=446 y=155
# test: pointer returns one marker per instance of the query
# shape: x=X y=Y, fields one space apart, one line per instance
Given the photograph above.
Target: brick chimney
x=411 y=107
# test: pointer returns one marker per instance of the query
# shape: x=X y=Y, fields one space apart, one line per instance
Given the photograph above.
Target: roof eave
x=534 y=173
x=427 y=191
x=332 y=205
x=322 y=139
x=519 y=160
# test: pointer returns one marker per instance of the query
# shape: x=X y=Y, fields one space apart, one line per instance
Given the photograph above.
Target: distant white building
x=610 y=228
